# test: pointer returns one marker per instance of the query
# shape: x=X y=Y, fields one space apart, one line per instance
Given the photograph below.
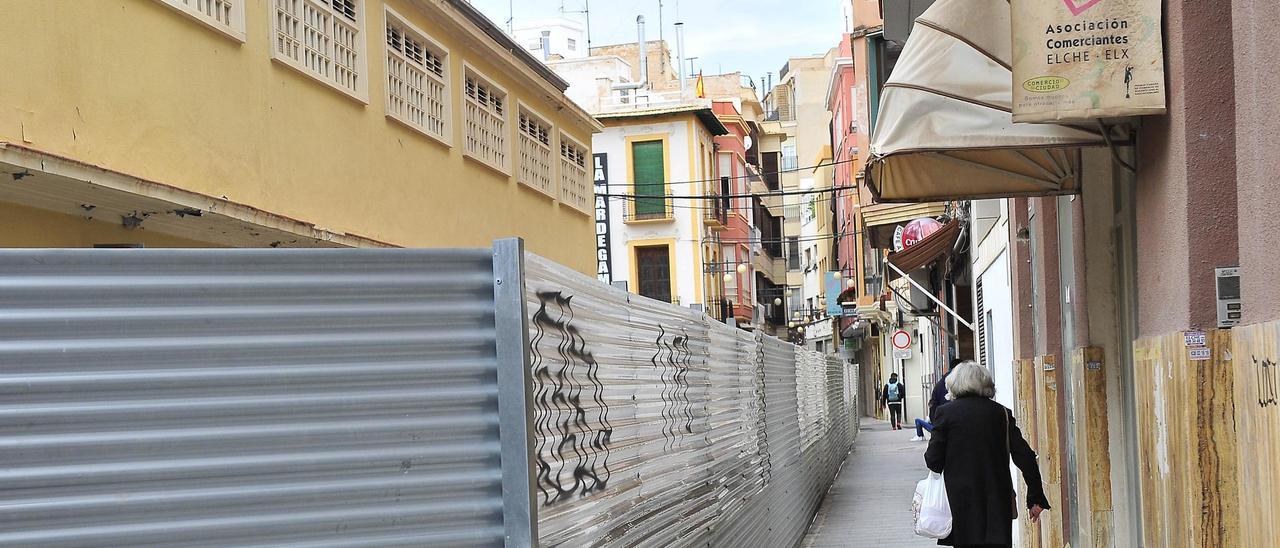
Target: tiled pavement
x=870 y=503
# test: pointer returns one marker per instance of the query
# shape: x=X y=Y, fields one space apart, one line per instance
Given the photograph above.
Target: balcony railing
x=728 y=308
x=625 y=100
x=716 y=212
x=649 y=209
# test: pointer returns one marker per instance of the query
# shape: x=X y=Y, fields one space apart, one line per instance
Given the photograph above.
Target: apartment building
x=285 y=123
x=797 y=105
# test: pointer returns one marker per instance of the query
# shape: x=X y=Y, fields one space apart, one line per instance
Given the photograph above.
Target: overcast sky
x=751 y=36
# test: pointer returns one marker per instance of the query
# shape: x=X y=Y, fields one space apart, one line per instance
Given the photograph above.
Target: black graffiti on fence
x=571 y=434
x=1265 y=374
x=762 y=437
x=672 y=358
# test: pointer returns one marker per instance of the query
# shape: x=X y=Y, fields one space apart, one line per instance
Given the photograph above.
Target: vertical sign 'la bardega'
x=1077 y=60
x=604 y=255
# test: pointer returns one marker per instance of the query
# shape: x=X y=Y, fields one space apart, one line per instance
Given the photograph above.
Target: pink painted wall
x=1186 y=187
x=738 y=229
x=1257 y=156
x=843 y=109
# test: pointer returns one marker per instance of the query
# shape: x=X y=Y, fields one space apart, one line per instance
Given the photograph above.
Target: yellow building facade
x=286 y=123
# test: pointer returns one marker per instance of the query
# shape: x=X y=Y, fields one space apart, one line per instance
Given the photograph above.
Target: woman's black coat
x=973 y=438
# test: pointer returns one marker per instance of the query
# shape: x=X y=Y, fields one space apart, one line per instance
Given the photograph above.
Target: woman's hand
x=1035 y=513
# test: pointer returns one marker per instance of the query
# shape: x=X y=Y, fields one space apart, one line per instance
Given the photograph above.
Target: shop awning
x=931 y=248
x=945 y=129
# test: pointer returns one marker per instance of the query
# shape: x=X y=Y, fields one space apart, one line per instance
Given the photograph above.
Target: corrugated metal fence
x=657 y=426
x=393 y=397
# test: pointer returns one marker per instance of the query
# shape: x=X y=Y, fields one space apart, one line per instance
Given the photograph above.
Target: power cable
x=729 y=196
x=740 y=177
x=817 y=200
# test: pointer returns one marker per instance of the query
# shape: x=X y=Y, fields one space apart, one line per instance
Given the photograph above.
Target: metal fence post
x=515 y=396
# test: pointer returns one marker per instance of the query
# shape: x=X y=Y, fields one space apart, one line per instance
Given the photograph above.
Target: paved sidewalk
x=870 y=503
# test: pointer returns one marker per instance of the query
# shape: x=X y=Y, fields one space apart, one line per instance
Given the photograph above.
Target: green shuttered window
x=648 y=161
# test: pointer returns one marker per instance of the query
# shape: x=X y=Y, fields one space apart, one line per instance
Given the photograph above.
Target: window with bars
x=226 y=16
x=322 y=38
x=575 y=176
x=417 y=79
x=537 y=169
x=486 y=119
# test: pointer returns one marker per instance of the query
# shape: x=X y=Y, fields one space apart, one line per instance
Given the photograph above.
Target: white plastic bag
x=931 y=508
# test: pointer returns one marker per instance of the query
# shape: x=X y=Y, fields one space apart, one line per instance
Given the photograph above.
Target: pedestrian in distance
x=936 y=400
x=973 y=439
x=895 y=398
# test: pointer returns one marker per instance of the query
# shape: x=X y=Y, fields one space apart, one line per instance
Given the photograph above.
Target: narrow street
x=870 y=503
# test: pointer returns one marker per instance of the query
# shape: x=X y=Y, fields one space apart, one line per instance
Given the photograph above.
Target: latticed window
x=486 y=118
x=322 y=38
x=575 y=177
x=535 y=154
x=223 y=15
x=417 y=80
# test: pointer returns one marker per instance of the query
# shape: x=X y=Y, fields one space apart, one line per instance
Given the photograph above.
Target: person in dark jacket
x=938 y=399
x=973 y=439
x=894 y=397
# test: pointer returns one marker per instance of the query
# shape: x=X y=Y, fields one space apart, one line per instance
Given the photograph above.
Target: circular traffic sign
x=901 y=340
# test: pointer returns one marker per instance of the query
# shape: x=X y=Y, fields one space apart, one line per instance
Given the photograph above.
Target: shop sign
x=919 y=229
x=1079 y=60
x=604 y=255
x=834 y=286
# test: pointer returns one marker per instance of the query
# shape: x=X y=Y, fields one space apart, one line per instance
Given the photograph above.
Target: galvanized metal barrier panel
x=228 y=397
x=655 y=426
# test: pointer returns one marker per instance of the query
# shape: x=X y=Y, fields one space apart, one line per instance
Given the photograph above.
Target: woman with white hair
x=973 y=439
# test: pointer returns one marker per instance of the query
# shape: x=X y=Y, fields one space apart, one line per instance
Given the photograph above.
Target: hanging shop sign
x=604 y=254
x=834 y=286
x=1078 y=60
x=918 y=230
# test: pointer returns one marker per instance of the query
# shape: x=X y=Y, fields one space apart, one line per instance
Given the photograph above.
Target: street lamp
x=848 y=283
x=837 y=274
x=742 y=268
x=777 y=301
x=728 y=278
x=791 y=325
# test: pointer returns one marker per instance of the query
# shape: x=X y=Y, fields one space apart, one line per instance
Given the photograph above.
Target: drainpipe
x=644 y=50
x=644 y=61
x=680 y=55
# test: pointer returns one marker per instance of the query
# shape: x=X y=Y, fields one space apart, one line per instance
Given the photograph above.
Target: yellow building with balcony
x=254 y=123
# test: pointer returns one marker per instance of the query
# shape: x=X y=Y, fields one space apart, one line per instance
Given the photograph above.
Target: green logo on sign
x=1046 y=84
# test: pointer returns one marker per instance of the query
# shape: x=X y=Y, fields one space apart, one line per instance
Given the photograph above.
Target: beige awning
x=945 y=129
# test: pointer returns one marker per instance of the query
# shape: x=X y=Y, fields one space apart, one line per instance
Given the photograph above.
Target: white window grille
x=486 y=119
x=226 y=16
x=575 y=176
x=322 y=38
x=536 y=167
x=417 y=79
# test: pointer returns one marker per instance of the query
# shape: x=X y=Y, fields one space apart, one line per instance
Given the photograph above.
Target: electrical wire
x=730 y=196
x=741 y=177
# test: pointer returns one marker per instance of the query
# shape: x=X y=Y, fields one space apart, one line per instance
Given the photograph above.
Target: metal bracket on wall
x=1113 y=146
x=926 y=292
